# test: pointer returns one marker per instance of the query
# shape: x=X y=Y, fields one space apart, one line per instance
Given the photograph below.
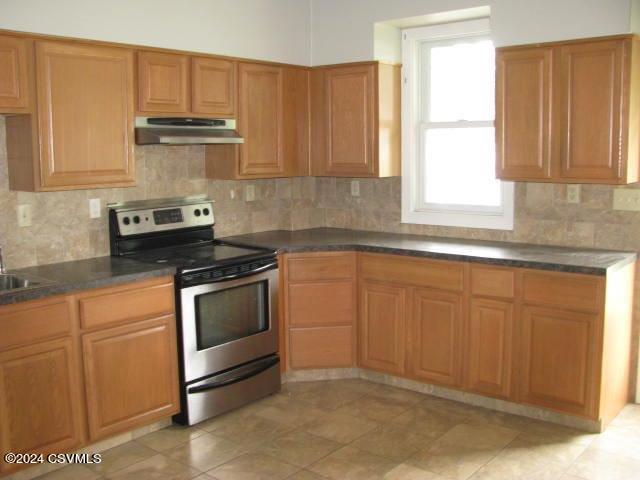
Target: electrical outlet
x=232 y=194
x=24 y=215
x=573 y=193
x=250 y=193
x=626 y=199
x=94 y=208
x=355 y=188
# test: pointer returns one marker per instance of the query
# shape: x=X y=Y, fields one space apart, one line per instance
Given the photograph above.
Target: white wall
x=343 y=30
x=277 y=30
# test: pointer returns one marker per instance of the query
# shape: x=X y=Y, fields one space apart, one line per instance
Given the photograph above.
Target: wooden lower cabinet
x=382 y=327
x=131 y=375
x=40 y=399
x=436 y=340
x=558 y=354
x=489 y=348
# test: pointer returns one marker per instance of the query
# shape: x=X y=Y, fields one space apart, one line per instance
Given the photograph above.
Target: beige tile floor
x=353 y=429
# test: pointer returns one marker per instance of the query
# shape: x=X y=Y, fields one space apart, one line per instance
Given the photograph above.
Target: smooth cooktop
x=190 y=257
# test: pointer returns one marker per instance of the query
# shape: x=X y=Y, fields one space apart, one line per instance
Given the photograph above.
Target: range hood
x=186 y=131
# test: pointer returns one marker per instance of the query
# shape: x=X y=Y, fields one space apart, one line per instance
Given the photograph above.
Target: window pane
x=461 y=78
x=459 y=167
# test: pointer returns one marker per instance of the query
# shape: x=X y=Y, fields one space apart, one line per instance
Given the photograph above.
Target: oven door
x=229 y=323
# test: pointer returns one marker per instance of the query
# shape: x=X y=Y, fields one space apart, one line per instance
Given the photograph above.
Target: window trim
x=412 y=211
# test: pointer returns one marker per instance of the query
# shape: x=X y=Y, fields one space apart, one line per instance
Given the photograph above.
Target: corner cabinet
x=15 y=75
x=356 y=120
x=82 y=134
x=568 y=112
x=273 y=119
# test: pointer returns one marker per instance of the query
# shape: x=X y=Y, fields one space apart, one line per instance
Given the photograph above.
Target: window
x=448 y=170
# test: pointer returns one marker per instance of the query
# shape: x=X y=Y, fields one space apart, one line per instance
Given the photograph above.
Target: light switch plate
x=355 y=188
x=626 y=199
x=24 y=215
x=94 y=208
x=573 y=193
x=250 y=193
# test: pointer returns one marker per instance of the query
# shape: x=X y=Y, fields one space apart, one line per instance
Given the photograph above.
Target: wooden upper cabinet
x=15 y=61
x=569 y=111
x=40 y=399
x=523 y=113
x=590 y=101
x=85 y=112
x=163 y=83
x=436 y=337
x=213 y=86
x=356 y=120
x=260 y=90
x=382 y=327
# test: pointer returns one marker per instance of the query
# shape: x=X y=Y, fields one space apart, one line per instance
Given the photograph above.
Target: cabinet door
x=350 y=110
x=590 y=109
x=260 y=119
x=130 y=375
x=436 y=340
x=558 y=357
x=213 y=84
x=85 y=111
x=523 y=113
x=40 y=409
x=490 y=347
x=382 y=327
x=14 y=74
x=163 y=82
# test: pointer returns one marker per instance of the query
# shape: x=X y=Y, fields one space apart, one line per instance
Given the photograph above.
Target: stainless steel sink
x=14 y=282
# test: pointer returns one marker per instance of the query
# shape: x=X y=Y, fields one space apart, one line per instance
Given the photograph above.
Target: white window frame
x=414 y=210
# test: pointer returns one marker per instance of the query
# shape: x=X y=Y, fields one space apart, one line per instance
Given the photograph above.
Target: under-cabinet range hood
x=186 y=131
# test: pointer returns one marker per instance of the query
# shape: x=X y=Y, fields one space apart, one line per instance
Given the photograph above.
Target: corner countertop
x=68 y=277
x=563 y=259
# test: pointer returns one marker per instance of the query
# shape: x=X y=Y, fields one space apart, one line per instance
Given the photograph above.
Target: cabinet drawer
x=321 y=347
x=564 y=290
x=493 y=282
x=316 y=304
x=130 y=302
x=33 y=321
x=414 y=271
x=321 y=267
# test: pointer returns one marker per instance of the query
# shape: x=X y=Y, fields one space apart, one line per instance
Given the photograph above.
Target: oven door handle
x=263 y=268
x=230 y=381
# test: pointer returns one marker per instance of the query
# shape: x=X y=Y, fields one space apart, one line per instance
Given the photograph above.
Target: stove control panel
x=149 y=220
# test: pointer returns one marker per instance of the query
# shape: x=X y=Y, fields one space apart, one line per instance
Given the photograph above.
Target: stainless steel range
x=226 y=298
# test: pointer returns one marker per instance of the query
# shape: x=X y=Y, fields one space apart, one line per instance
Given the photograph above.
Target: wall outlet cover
x=250 y=193
x=573 y=193
x=94 y=208
x=24 y=215
x=355 y=188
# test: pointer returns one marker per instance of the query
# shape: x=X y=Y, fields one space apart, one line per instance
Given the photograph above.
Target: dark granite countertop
x=576 y=260
x=66 y=277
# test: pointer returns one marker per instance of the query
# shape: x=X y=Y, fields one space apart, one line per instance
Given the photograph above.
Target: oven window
x=226 y=315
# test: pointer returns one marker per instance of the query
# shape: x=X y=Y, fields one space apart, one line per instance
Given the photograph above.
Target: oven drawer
x=232 y=389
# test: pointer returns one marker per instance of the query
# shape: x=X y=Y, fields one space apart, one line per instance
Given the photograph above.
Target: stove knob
x=197 y=212
x=126 y=220
x=205 y=212
x=136 y=219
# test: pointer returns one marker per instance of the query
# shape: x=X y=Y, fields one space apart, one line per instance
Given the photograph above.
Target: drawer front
x=322 y=347
x=33 y=321
x=317 y=304
x=131 y=302
x=327 y=266
x=493 y=282
x=564 y=290
x=414 y=271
